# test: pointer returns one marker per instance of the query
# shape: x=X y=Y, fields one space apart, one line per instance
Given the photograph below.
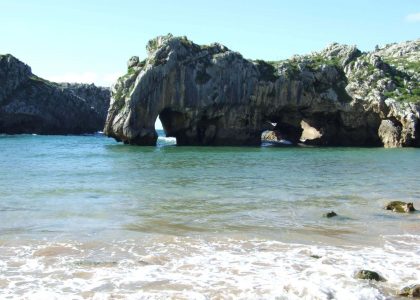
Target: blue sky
x=90 y=41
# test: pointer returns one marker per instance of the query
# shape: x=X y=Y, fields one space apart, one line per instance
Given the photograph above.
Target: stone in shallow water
x=410 y=291
x=369 y=275
x=329 y=214
x=400 y=206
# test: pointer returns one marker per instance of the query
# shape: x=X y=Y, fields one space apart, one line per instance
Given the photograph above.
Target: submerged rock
x=30 y=104
x=369 y=275
x=330 y=214
x=400 y=207
x=211 y=95
x=410 y=291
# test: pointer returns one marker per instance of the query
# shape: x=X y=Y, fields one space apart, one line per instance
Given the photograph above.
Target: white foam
x=190 y=268
x=166 y=141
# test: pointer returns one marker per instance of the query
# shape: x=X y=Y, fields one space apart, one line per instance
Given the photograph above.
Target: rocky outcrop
x=96 y=96
x=30 y=104
x=390 y=133
x=210 y=95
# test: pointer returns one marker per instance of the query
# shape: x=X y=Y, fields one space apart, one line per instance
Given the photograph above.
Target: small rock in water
x=400 y=206
x=315 y=256
x=329 y=214
x=410 y=291
x=369 y=275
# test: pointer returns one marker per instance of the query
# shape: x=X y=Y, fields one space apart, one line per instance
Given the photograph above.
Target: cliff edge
x=30 y=104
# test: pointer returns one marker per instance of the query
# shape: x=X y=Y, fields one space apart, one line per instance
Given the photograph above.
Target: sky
x=91 y=41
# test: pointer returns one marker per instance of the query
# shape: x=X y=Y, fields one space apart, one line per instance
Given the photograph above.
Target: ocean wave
x=187 y=268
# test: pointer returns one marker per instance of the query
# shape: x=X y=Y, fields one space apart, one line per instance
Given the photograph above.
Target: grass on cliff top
x=267 y=69
x=404 y=62
x=312 y=63
x=404 y=95
x=401 y=93
x=37 y=79
x=317 y=61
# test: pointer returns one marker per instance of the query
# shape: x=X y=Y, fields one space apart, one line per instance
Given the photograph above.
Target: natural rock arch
x=210 y=95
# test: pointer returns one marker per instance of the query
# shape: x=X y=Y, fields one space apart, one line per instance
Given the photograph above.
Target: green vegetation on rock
x=400 y=206
x=268 y=70
x=317 y=61
x=37 y=79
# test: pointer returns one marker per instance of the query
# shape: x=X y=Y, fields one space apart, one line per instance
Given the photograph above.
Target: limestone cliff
x=29 y=104
x=210 y=95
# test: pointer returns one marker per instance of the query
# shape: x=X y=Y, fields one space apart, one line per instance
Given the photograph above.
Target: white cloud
x=106 y=79
x=86 y=77
x=110 y=78
x=413 y=18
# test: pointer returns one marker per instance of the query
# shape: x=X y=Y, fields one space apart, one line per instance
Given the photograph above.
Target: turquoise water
x=202 y=222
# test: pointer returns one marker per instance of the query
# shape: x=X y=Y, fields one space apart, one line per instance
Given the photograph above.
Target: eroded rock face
x=310 y=135
x=210 y=95
x=29 y=104
x=390 y=133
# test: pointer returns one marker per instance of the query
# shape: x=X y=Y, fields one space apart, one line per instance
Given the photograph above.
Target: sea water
x=84 y=217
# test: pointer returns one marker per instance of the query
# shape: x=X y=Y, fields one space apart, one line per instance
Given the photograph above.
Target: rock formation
x=210 y=95
x=400 y=206
x=30 y=104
